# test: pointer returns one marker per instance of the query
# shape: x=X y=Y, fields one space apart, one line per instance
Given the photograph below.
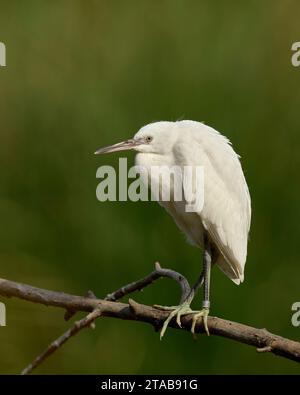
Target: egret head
x=155 y=138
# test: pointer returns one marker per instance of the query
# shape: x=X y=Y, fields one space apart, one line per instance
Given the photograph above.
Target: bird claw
x=166 y=308
x=200 y=314
x=179 y=311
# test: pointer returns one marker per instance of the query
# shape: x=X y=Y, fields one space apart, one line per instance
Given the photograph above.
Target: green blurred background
x=83 y=74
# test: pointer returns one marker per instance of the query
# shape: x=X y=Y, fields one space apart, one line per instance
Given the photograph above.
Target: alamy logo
x=2 y=55
x=2 y=314
x=296 y=316
x=295 y=59
x=166 y=183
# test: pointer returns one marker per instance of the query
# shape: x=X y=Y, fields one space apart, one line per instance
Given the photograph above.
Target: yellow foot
x=200 y=314
x=181 y=310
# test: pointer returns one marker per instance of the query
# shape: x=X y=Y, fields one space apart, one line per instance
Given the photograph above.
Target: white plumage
x=226 y=212
x=221 y=227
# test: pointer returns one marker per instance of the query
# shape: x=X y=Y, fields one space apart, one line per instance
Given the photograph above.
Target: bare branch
x=142 y=283
x=55 y=345
x=70 y=313
x=263 y=340
x=91 y=317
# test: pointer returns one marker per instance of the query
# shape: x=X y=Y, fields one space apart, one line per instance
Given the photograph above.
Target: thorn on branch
x=263 y=340
x=71 y=312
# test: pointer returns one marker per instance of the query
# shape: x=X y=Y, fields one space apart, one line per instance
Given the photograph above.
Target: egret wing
x=226 y=211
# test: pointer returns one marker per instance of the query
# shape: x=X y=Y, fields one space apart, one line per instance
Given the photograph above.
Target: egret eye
x=149 y=139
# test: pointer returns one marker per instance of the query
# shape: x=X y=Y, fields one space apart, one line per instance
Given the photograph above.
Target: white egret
x=221 y=228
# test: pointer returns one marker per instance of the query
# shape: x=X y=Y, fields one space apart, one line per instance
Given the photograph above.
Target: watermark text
x=296 y=315
x=165 y=183
x=295 y=59
x=2 y=55
x=2 y=314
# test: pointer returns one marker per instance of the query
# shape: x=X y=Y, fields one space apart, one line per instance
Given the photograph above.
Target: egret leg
x=207 y=263
x=184 y=308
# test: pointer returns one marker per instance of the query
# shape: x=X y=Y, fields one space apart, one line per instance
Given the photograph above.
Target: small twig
x=178 y=277
x=259 y=338
x=70 y=313
x=58 y=343
x=144 y=282
x=91 y=317
x=132 y=287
